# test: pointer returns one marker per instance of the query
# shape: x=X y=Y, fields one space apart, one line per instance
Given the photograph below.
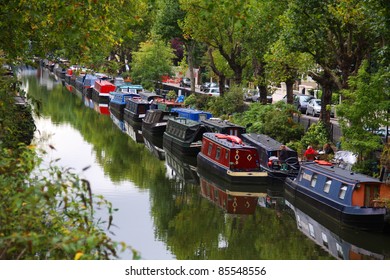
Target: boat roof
x=333 y=171
x=189 y=111
x=221 y=123
x=226 y=140
x=184 y=121
x=263 y=141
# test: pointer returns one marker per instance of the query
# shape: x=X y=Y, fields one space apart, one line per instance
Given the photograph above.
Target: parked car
x=300 y=101
x=207 y=85
x=213 y=91
x=253 y=95
x=314 y=108
x=185 y=82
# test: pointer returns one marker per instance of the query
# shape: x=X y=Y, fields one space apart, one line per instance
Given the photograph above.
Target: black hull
x=359 y=221
x=209 y=166
x=183 y=148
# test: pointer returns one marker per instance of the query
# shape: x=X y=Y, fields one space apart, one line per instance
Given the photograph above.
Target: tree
x=364 y=110
x=285 y=66
x=221 y=26
x=338 y=34
x=153 y=60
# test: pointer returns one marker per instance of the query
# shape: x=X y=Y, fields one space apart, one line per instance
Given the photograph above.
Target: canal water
x=166 y=210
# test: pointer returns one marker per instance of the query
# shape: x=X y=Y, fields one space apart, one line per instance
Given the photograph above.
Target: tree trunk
x=190 y=60
x=221 y=76
x=290 y=90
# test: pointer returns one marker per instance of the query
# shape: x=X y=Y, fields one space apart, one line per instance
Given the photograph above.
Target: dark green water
x=163 y=215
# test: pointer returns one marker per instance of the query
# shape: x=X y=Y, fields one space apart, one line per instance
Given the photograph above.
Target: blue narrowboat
x=229 y=158
x=269 y=151
x=192 y=114
x=353 y=199
x=118 y=103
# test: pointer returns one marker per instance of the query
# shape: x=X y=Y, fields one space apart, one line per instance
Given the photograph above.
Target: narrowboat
x=150 y=96
x=223 y=126
x=229 y=158
x=341 y=242
x=193 y=114
x=135 y=110
x=237 y=199
x=184 y=136
x=353 y=199
x=101 y=92
x=168 y=105
x=88 y=84
x=118 y=103
x=127 y=87
x=155 y=122
x=269 y=152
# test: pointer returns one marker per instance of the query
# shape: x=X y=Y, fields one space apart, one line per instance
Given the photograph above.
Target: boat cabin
x=136 y=109
x=192 y=114
x=342 y=186
x=223 y=126
x=230 y=151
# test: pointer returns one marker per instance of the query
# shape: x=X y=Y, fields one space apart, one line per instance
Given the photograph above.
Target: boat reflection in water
x=119 y=123
x=235 y=198
x=340 y=241
x=152 y=145
x=180 y=167
x=134 y=131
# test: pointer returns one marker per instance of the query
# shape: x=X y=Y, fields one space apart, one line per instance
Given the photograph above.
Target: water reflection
x=341 y=242
x=162 y=212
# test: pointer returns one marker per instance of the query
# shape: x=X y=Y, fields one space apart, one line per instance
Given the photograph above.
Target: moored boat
x=229 y=158
x=101 y=94
x=135 y=110
x=350 y=198
x=183 y=136
x=154 y=124
x=192 y=114
x=269 y=152
x=118 y=103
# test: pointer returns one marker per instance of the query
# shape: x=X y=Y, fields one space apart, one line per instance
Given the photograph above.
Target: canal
x=164 y=211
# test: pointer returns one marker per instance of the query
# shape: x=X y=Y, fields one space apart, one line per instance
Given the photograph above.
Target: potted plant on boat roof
x=171 y=95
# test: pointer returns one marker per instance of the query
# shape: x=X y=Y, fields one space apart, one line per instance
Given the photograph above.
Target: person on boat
x=310 y=154
x=283 y=157
x=328 y=149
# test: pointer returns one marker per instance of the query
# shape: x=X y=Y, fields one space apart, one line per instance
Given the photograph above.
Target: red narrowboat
x=229 y=158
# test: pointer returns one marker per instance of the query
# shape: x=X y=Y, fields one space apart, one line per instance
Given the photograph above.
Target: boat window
x=226 y=154
x=311 y=230
x=313 y=180
x=339 y=251
x=218 y=153
x=210 y=149
x=343 y=191
x=324 y=240
x=327 y=185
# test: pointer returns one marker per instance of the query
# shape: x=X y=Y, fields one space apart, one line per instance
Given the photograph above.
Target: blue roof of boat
x=334 y=171
x=189 y=110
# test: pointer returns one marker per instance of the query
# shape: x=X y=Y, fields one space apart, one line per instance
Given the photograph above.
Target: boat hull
x=228 y=175
x=372 y=219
